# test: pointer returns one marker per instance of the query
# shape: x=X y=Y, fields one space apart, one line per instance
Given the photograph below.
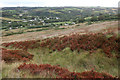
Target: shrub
x=61 y=72
x=15 y=55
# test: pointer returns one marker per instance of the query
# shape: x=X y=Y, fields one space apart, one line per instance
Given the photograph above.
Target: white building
x=9 y=22
x=57 y=18
x=10 y=28
x=31 y=20
x=20 y=14
x=66 y=24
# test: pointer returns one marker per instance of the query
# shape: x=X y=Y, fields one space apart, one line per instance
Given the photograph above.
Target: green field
x=9 y=19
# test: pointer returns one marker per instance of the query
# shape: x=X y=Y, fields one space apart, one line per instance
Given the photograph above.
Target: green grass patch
x=75 y=61
x=9 y=19
x=72 y=60
x=13 y=33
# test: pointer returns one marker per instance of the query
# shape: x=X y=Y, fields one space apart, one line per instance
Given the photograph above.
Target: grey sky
x=51 y=3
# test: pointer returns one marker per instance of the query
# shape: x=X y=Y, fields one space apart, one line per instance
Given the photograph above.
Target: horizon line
x=60 y=6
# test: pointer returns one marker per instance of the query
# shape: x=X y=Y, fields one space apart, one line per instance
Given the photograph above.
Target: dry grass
x=96 y=27
x=67 y=59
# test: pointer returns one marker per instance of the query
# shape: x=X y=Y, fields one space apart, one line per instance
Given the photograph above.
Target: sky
x=58 y=3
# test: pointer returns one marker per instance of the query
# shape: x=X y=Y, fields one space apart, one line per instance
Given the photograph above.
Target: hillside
x=60 y=43
x=82 y=29
x=37 y=17
x=71 y=56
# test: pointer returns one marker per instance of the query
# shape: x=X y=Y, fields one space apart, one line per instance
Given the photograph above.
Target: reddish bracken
x=89 y=42
x=23 y=44
x=15 y=55
x=62 y=72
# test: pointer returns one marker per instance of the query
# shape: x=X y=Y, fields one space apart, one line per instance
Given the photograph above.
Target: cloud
x=34 y=3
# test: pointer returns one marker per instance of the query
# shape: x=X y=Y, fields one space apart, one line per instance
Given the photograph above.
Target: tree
x=101 y=17
x=81 y=20
x=94 y=18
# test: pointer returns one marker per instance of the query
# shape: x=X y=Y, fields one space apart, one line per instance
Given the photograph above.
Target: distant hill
x=62 y=12
x=36 y=17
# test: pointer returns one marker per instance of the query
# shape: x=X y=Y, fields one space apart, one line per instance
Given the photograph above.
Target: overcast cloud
x=51 y=3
